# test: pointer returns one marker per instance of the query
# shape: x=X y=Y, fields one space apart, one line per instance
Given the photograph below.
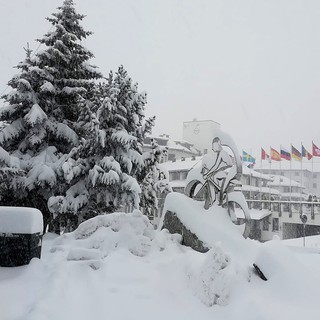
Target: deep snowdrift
x=118 y=267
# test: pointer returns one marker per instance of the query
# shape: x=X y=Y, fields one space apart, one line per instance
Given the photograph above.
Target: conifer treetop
x=69 y=19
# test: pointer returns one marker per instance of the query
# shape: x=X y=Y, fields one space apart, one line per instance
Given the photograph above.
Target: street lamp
x=304 y=220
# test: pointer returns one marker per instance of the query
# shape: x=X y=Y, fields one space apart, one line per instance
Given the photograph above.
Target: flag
x=315 y=150
x=264 y=155
x=295 y=154
x=305 y=153
x=285 y=154
x=246 y=157
x=275 y=155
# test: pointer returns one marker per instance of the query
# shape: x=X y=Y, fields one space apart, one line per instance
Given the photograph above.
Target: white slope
x=117 y=267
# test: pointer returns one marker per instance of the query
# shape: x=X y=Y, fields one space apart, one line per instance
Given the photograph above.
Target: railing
x=281 y=206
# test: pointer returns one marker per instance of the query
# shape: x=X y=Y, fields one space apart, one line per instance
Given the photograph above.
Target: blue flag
x=246 y=157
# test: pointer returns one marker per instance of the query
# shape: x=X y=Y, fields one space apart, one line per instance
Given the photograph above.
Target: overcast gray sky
x=253 y=66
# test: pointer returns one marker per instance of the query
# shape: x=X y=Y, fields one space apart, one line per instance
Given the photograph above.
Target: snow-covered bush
x=98 y=237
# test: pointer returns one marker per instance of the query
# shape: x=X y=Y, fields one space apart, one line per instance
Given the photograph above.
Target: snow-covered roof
x=180 y=145
x=247 y=171
x=292 y=195
x=255 y=214
x=284 y=182
x=181 y=165
x=246 y=187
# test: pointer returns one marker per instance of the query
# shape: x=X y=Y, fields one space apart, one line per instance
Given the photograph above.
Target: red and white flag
x=315 y=150
x=264 y=155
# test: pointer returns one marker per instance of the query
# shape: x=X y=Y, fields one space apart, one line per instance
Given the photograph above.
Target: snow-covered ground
x=117 y=267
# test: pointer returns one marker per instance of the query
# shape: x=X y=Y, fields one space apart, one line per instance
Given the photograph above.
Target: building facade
x=200 y=133
x=310 y=180
x=176 y=149
x=274 y=210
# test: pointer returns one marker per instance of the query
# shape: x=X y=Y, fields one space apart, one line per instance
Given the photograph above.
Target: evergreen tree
x=103 y=170
x=66 y=63
x=156 y=181
x=42 y=109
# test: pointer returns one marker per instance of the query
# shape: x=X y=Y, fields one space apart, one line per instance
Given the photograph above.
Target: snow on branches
x=72 y=143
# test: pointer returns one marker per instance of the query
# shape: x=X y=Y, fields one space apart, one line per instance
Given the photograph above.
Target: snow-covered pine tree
x=66 y=61
x=42 y=109
x=103 y=170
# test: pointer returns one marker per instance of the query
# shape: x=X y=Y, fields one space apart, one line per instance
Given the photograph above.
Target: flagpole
x=301 y=180
x=250 y=172
x=290 y=173
x=269 y=181
x=312 y=165
x=260 y=179
x=301 y=175
x=280 y=169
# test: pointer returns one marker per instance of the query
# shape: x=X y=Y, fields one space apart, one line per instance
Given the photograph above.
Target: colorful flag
x=305 y=153
x=295 y=154
x=315 y=150
x=264 y=155
x=275 y=155
x=285 y=154
x=246 y=157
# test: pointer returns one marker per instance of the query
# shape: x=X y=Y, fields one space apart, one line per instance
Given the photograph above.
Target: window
x=184 y=175
x=314 y=175
x=281 y=173
x=175 y=175
x=162 y=142
x=314 y=186
x=275 y=224
x=296 y=173
x=286 y=189
x=265 y=225
x=205 y=151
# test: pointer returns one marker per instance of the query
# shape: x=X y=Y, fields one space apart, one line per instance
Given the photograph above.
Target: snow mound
x=212 y=282
x=211 y=226
x=84 y=254
x=100 y=236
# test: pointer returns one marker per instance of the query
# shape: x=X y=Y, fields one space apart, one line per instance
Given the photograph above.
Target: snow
x=35 y=116
x=48 y=87
x=117 y=266
x=42 y=169
x=283 y=181
x=256 y=214
x=268 y=190
x=123 y=137
x=10 y=161
x=20 y=220
x=11 y=131
x=62 y=130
